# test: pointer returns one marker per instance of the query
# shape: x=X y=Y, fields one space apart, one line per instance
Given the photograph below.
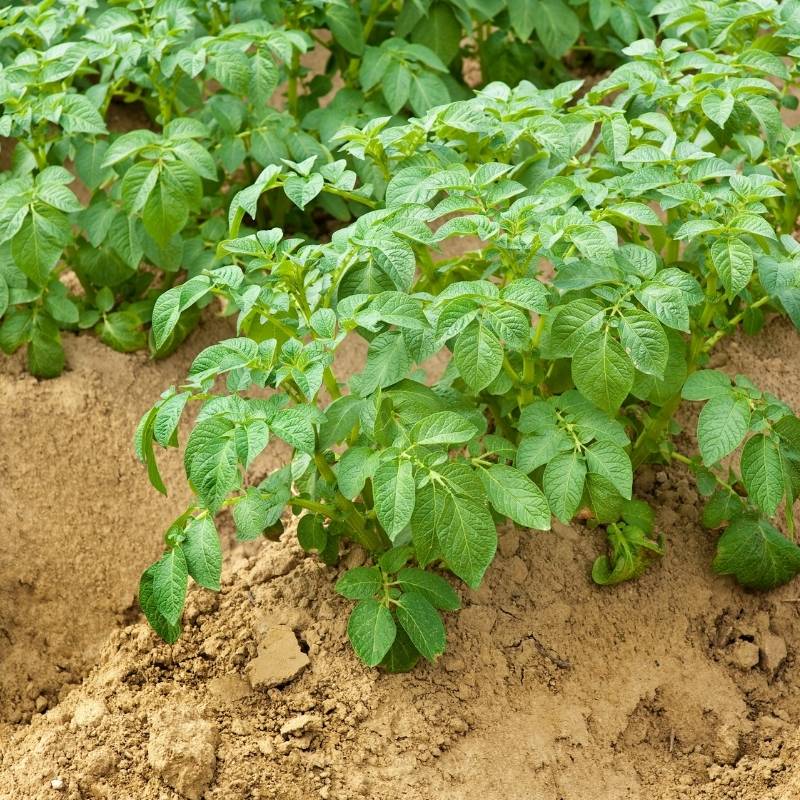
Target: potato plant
x=606 y=242
x=201 y=77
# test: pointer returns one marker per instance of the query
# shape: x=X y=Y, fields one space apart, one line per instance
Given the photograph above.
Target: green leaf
x=435 y=589
x=168 y=632
x=630 y=548
x=705 y=384
x=355 y=466
x=360 y=583
x=346 y=26
x=422 y=623
x=733 y=261
x=612 y=462
x=301 y=191
x=170 y=578
x=388 y=362
x=573 y=323
x=563 y=481
x=371 y=630
x=167 y=418
x=602 y=371
x=513 y=494
x=763 y=469
x=645 y=342
x=393 y=485
x=756 y=554
x=722 y=425
x=478 y=356
x=166 y=209
x=466 y=536
x=37 y=246
x=203 y=552
x=427 y=91
x=717 y=106
x=402 y=655
x=295 y=428
x=443 y=427
x=522 y=15
x=311 y=533
x=557 y=26
x=668 y=303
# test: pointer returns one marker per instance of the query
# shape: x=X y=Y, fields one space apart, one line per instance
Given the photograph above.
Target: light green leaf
x=762 y=468
x=478 y=356
x=360 y=583
x=443 y=427
x=203 y=552
x=170 y=577
x=733 y=261
x=563 y=481
x=514 y=495
x=602 y=371
x=394 y=490
x=371 y=630
x=722 y=424
x=435 y=589
x=611 y=462
x=422 y=623
x=644 y=341
x=756 y=554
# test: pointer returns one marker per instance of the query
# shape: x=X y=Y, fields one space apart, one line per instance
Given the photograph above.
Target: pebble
x=88 y=712
x=184 y=755
x=57 y=784
x=744 y=655
x=773 y=652
x=279 y=659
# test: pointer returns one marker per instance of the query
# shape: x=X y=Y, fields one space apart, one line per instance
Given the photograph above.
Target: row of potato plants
x=607 y=241
x=201 y=77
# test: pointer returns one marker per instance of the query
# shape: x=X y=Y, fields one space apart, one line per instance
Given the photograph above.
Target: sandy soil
x=677 y=686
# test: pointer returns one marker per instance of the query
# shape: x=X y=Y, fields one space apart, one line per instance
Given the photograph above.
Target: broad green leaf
x=346 y=26
x=301 y=190
x=360 y=583
x=340 y=418
x=311 y=533
x=393 y=485
x=645 y=342
x=402 y=655
x=295 y=428
x=371 y=630
x=563 y=481
x=717 y=106
x=722 y=425
x=513 y=494
x=169 y=632
x=422 y=623
x=733 y=261
x=522 y=14
x=573 y=323
x=557 y=26
x=170 y=577
x=705 y=384
x=478 y=356
x=203 y=552
x=355 y=466
x=612 y=462
x=466 y=536
x=756 y=554
x=762 y=469
x=602 y=370
x=443 y=427
x=388 y=362
x=435 y=589
x=167 y=418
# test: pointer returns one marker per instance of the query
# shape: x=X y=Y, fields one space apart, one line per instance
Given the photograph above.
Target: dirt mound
x=677 y=686
x=79 y=518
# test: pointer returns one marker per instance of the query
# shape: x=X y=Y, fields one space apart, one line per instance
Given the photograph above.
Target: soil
x=678 y=686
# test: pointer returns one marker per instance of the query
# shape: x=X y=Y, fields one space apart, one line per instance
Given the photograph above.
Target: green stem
x=331 y=384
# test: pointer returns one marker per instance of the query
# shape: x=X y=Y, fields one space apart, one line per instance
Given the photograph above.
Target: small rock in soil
x=228 y=688
x=279 y=659
x=744 y=655
x=300 y=723
x=773 y=652
x=88 y=712
x=184 y=755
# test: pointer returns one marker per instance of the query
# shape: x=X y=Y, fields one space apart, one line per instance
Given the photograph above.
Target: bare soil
x=678 y=686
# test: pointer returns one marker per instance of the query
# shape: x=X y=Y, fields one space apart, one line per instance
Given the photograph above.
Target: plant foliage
x=606 y=240
x=136 y=208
